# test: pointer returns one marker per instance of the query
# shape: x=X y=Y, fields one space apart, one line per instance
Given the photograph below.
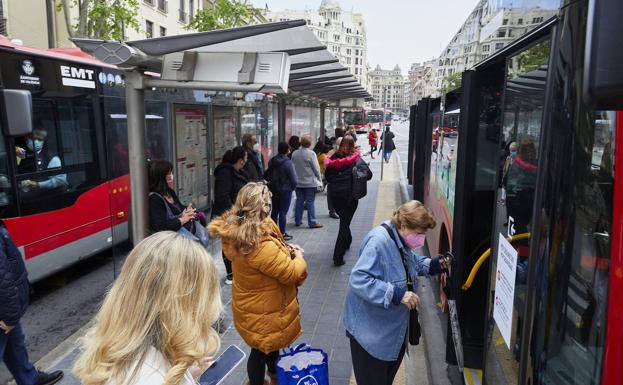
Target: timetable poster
x=191 y=135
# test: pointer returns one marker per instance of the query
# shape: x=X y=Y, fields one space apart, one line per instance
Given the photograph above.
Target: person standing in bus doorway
x=229 y=178
x=255 y=163
x=381 y=293
x=388 y=144
x=308 y=172
x=37 y=157
x=14 y=295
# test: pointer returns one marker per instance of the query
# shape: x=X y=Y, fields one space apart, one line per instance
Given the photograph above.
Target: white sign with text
x=505 y=288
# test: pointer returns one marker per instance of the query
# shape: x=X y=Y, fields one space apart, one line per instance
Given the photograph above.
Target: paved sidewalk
x=321 y=296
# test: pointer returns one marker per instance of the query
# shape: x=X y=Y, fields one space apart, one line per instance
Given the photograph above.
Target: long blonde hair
x=244 y=224
x=166 y=297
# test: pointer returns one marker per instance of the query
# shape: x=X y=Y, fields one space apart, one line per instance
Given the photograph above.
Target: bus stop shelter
x=281 y=58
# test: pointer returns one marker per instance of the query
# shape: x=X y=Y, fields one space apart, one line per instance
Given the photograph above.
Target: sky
x=399 y=31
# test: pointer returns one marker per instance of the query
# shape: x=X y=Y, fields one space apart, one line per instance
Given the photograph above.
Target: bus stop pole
x=135 y=107
x=383 y=132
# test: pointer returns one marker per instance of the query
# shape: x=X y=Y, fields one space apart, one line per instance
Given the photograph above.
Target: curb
x=56 y=355
x=404 y=193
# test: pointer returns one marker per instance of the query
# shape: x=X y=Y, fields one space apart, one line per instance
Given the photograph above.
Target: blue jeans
x=281 y=205
x=387 y=155
x=15 y=356
x=305 y=195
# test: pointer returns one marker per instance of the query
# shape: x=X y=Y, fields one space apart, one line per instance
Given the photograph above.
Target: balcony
x=163 y=6
x=183 y=16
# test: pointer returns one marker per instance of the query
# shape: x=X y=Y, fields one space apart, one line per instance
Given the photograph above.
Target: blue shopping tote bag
x=303 y=365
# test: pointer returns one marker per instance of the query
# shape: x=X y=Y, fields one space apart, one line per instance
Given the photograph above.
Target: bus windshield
x=353 y=117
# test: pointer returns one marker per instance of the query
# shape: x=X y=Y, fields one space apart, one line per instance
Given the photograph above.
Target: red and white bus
x=65 y=188
x=527 y=198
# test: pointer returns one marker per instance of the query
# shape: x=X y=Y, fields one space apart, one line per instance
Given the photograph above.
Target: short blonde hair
x=166 y=297
x=413 y=216
x=244 y=224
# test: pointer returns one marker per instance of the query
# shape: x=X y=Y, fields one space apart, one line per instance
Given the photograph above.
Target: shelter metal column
x=281 y=113
x=323 y=107
x=135 y=106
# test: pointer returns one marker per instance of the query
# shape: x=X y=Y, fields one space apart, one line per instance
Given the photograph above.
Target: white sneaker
x=228 y=281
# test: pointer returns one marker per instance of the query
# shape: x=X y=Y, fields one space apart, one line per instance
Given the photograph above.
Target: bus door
x=520 y=140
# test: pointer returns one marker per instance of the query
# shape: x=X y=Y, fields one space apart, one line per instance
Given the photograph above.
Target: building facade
x=387 y=88
x=491 y=26
x=342 y=32
x=38 y=23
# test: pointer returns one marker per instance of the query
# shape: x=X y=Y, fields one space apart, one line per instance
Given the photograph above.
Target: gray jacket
x=307 y=168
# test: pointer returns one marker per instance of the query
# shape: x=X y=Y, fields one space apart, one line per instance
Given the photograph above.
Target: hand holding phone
x=223 y=366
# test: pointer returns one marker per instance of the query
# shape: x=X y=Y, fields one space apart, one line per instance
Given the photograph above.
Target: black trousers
x=370 y=370
x=227 y=264
x=329 y=200
x=257 y=363
x=345 y=206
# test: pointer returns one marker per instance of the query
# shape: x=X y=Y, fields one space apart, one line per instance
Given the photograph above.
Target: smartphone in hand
x=223 y=366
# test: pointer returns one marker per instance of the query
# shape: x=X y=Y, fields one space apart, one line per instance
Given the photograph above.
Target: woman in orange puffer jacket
x=267 y=272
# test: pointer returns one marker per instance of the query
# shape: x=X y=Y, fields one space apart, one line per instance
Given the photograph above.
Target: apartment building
x=343 y=32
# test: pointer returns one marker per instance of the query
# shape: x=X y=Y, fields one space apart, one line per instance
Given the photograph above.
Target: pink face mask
x=415 y=241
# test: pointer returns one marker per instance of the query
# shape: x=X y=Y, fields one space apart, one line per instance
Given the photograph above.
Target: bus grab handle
x=485 y=255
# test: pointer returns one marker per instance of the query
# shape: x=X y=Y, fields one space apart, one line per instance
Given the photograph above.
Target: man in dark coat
x=14 y=293
x=255 y=164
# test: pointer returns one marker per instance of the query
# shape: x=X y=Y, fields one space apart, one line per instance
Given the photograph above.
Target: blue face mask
x=35 y=145
x=513 y=153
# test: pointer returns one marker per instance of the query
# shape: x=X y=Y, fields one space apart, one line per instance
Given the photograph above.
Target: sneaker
x=287 y=237
x=334 y=215
x=316 y=226
x=338 y=262
x=44 y=378
x=297 y=224
x=229 y=279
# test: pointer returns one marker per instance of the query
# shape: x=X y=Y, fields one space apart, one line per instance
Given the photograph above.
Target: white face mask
x=35 y=145
x=256 y=147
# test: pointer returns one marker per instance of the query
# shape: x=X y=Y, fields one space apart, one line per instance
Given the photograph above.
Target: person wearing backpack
x=282 y=179
x=347 y=175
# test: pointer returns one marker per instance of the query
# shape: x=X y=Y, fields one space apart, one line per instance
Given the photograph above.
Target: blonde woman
x=268 y=271
x=154 y=325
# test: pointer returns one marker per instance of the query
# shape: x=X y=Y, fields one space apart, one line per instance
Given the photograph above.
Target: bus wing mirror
x=17 y=111
x=603 y=67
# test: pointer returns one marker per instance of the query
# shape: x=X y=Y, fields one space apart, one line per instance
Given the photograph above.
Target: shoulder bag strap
x=403 y=257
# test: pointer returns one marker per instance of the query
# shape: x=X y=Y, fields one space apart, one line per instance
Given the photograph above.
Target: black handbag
x=415 y=331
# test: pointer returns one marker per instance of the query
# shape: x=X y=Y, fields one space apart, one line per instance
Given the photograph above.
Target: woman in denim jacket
x=376 y=312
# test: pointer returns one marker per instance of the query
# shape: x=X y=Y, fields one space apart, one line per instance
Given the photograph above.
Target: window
x=356 y=60
x=182 y=13
x=348 y=51
x=537 y=20
x=149 y=29
x=499 y=46
x=485 y=48
x=356 y=52
x=150 y=2
x=502 y=33
x=191 y=8
x=505 y=22
x=65 y=164
x=163 y=31
x=163 y=6
x=336 y=37
x=519 y=21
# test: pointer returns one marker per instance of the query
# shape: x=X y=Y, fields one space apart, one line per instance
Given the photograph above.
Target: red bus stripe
x=613 y=367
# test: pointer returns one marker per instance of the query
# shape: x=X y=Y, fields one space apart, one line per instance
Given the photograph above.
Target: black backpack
x=361 y=176
x=272 y=175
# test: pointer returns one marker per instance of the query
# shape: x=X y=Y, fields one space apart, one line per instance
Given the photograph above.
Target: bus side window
x=56 y=163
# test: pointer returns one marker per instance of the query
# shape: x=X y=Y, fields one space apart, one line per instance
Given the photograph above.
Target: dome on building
x=329 y=4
